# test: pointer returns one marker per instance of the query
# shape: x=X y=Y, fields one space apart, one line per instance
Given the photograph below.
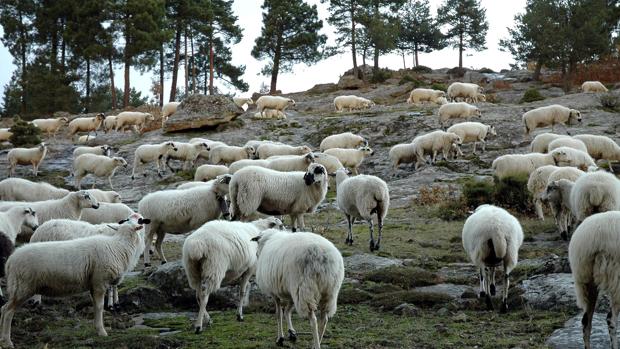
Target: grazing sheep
x=133 y=118
x=352 y=103
x=277 y=193
x=473 y=132
x=272 y=149
x=549 y=115
x=107 y=196
x=520 y=164
x=239 y=164
x=492 y=236
x=569 y=173
x=208 y=172
x=152 y=152
x=463 y=90
x=222 y=252
x=18 y=189
x=593 y=86
x=345 y=140
x=106 y=213
x=478 y=97
x=58 y=269
x=557 y=194
x=227 y=154
x=304 y=271
x=593 y=257
x=601 y=148
x=567 y=142
x=11 y=223
x=425 y=94
x=351 y=158
x=273 y=102
x=187 y=153
x=331 y=163
x=241 y=101
x=540 y=143
x=86 y=139
x=204 y=154
x=26 y=156
x=537 y=183
x=255 y=144
x=358 y=198
x=432 y=143
x=270 y=114
x=109 y=123
x=457 y=110
x=595 y=192
x=85 y=124
x=180 y=211
x=402 y=154
x=50 y=126
x=167 y=110
x=565 y=156
x=98 y=150
x=289 y=163
x=5 y=134
x=97 y=165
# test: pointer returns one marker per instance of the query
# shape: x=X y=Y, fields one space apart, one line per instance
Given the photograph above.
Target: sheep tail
x=495 y=250
x=193 y=267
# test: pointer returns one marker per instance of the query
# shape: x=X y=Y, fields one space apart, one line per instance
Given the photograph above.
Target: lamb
x=358 y=198
x=595 y=192
x=567 y=142
x=133 y=118
x=228 y=154
x=601 y=147
x=492 y=236
x=97 y=165
x=473 y=132
x=520 y=164
x=273 y=102
x=106 y=213
x=5 y=134
x=18 y=189
x=152 y=152
x=222 y=252
x=167 y=110
x=85 y=124
x=208 y=172
x=277 y=193
x=187 y=153
x=463 y=90
x=50 y=126
x=540 y=143
x=180 y=211
x=549 y=115
x=457 y=110
x=402 y=154
x=11 y=223
x=569 y=173
x=345 y=140
x=432 y=143
x=478 y=97
x=57 y=269
x=424 y=94
x=537 y=183
x=109 y=123
x=241 y=101
x=105 y=196
x=593 y=86
x=270 y=114
x=26 y=156
x=593 y=257
x=303 y=270
x=351 y=158
x=352 y=103
x=565 y=156
x=331 y=163
x=98 y=150
x=557 y=194
x=272 y=149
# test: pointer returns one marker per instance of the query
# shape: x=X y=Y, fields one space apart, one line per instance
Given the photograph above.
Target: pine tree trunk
x=63 y=51
x=353 y=48
x=127 y=85
x=87 y=82
x=175 y=65
x=54 y=48
x=112 y=88
x=402 y=53
x=415 y=51
x=376 y=53
x=191 y=41
x=206 y=82
x=161 y=75
x=211 y=70
x=537 y=69
x=461 y=50
x=186 y=68
x=22 y=35
x=276 y=66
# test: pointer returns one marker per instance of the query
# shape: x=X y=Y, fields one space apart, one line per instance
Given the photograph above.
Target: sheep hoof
x=492 y=289
x=564 y=235
x=292 y=336
x=280 y=342
x=372 y=245
x=198 y=330
x=239 y=318
x=488 y=302
x=482 y=294
x=151 y=252
x=504 y=308
x=133 y=177
x=163 y=262
x=117 y=307
x=377 y=247
x=146 y=265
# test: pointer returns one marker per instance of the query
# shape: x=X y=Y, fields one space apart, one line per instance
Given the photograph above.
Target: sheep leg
x=380 y=223
x=292 y=333
x=591 y=294
x=492 y=285
x=8 y=310
x=158 y=248
x=434 y=157
x=280 y=339
x=372 y=238
x=316 y=340
x=612 y=320
x=243 y=288
x=148 y=241
x=474 y=152
x=487 y=288
x=611 y=168
x=294 y=223
x=203 y=298
x=482 y=285
x=539 y=208
x=98 y=296
x=117 y=303
x=322 y=325
x=110 y=298
x=110 y=181
x=302 y=224
x=350 y=221
x=504 y=307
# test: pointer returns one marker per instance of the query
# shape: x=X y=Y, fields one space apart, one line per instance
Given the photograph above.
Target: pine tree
x=345 y=15
x=419 y=32
x=468 y=25
x=382 y=26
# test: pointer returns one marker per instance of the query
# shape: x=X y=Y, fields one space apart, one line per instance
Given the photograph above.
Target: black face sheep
x=557 y=194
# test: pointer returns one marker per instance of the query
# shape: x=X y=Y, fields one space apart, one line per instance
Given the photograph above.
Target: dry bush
x=501 y=85
x=433 y=195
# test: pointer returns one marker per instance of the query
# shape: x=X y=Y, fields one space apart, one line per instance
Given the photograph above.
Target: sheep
x=593 y=258
x=540 y=143
x=463 y=90
x=239 y=164
x=593 y=86
x=26 y=156
x=424 y=94
x=594 y=192
x=277 y=193
x=228 y=154
x=255 y=143
x=520 y=164
x=106 y=213
x=50 y=126
x=304 y=271
x=477 y=97
x=569 y=173
x=106 y=196
x=432 y=143
x=565 y=156
x=271 y=149
x=601 y=147
x=86 y=139
x=167 y=110
x=352 y=103
x=473 y=132
x=536 y=185
x=457 y=110
x=208 y=172
x=289 y=163
x=331 y=163
x=97 y=165
x=11 y=223
x=241 y=101
x=358 y=198
x=18 y=189
x=98 y=150
x=58 y=269
x=549 y=115
x=187 y=153
x=557 y=194
x=567 y=142
x=273 y=102
x=133 y=118
x=152 y=152
x=85 y=124
x=351 y=158
x=204 y=154
x=222 y=252
x=180 y=211
x=270 y=114
x=5 y=134
x=193 y=184
x=492 y=236
x=109 y=123
x=346 y=140
x=402 y=154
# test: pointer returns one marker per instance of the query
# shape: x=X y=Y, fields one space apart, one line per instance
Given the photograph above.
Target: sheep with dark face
x=557 y=194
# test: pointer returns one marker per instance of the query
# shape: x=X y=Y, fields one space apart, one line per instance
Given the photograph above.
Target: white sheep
x=167 y=110
x=272 y=149
x=97 y=165
x=57 y=269
x=536 y=185
x=256 y=143
x=565 y=156
x=222 y=252
x=5 y=134
x=463 y=90
x=593 y=257
x=549 y=115
x=272 y=192
x=152 y=152
x=180 y=211
x=18 y=189
x=97 y=150
x=457 y=110
x=352 y=103
x=351 y=158
x=425 y=94
x=557 y=194
x=193 y=184
x=289 y=163
x=107 y=196
x=358 y=198
x=270 y=114
x=402 y=154
x=227 y=154
x=570 y=173
x=26 y=156
x=540 y=143
x=594 y=192
x=241 y=101
x=106 y=213
x=567 y=142
x=208 y=172
x=50 y=126
x=593 y=86
x=273 y=102
x=601 y=148
x=301 y=270
x=520 y=164
x=478 y=97
x=133 y=118
x=85 y=124
x=239 y=164
x=204 y=154
x=433 y=142
x=331 y=163
x=109 y=123
x=342 y=140
x=187 y=153
x=11 y=224
x=473 y=132
x=492 y=236
x=86 y=139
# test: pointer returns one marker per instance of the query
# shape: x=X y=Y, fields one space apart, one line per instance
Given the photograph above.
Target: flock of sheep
x=301 y=271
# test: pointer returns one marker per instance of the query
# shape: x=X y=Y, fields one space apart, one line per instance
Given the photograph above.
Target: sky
x=500 y=14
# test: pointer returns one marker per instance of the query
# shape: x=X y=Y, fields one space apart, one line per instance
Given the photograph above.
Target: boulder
x=474 y=77
x=350 y=82
x=323 y=88
x=198 y=111
x=571 y=335
x=365 y=262
x=554 y=292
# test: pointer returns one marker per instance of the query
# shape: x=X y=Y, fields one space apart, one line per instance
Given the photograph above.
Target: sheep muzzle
x=309 y=178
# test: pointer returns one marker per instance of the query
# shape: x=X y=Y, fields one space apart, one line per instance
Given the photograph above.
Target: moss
x=353 y=296
x=403 y=277
x=389 y=301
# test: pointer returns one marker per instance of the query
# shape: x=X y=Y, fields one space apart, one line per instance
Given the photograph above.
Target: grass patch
x=405 y=278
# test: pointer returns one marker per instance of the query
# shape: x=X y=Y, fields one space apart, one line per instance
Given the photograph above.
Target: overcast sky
x=500 y=15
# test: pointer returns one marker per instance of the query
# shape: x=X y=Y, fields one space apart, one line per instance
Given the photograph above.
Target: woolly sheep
x=358 y=198
x=26 y=156
x=270 y=114
x=239 y=164
x=167 y=110
x=277 y=193
x=567 y=142
x=457 y=110
x=85 y=124
x=540 y=143
x=473 y=132
x=180 y=211
x=98 y=150
x=227 y=154
x=50 y=126
x=86 y=139
x=424 y=94
x=273 y=102
x=204 y=154
x=5 y=134
x=133 y=118
x=593 y=257
x=595 y=192
x=549 y=115
x=97 y=165
x=601 y=147
x=492 y=236
x=569 y=173
x=402 y=154
x=478 y=97
x=18 y=189
x=352 y=103
x=106 y=213
x=351 y=158
x=109 y=123
x=255 y=143
x=208 y=172
x=241 y=101
x=272 y=149
x=536 y=185
x=57 y=269
x=187 y=153
x=565 y=156
x=222 y=252
x=432 y=143
x=520 y=164
x=304 y=271
x=557 y=194
x=289 y=163
x=331 y=163
x=593 y=86
x=152 y=152
x=462 y=90
x=345 y=140
x=11 y=223
x=107 y=196
x=193 y=184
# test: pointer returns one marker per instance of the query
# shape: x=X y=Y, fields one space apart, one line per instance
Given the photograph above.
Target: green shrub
x=24 y=133
x=531 y=95
x=457 y=72
x=408 y=78
x=486 y=71
x=511 y=192
x=451 y=210
x=422 y=69
x=610 y=101
x=439 y=86
x=380 y=75
x=476 y=193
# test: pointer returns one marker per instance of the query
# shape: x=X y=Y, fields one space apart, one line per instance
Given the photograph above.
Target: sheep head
x=118 y=161
x=30 y=219
x=85 y=200
x=491 y=130
x=574 y=115
x=366 y=150
x=316 y=174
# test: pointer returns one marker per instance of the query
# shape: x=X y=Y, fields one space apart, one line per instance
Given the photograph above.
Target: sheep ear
x=123 y=221
x=256 y=238
x=111 y=227
x=144 y=221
